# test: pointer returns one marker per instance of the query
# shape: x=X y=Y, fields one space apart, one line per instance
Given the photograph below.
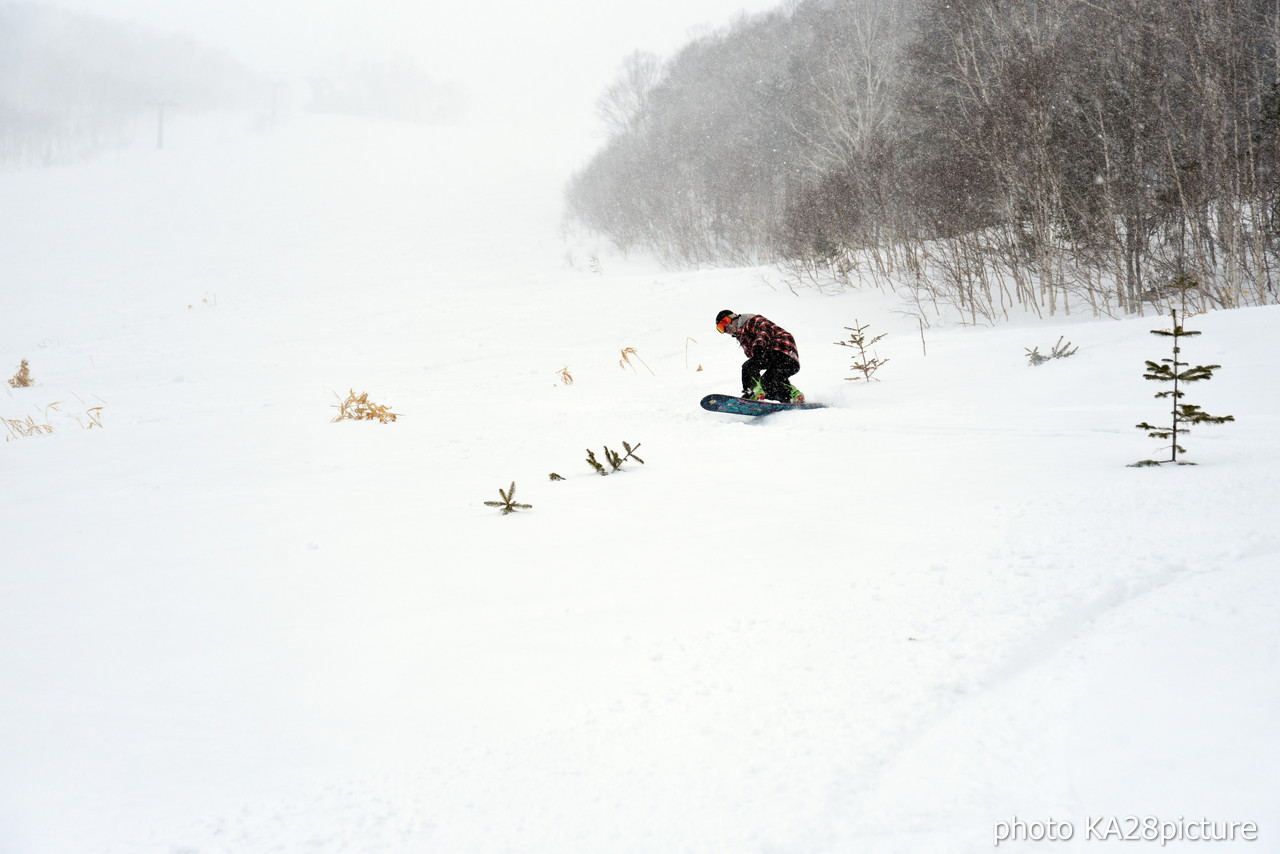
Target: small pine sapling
x=1182 y=415
x=616 y=460
x=865 y=363
x=22 y=379
x=1060 y=351
x=613 y=458
x=594 y=463
x=508 y=503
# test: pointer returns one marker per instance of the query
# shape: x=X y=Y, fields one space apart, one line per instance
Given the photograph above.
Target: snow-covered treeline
x=1033 y=154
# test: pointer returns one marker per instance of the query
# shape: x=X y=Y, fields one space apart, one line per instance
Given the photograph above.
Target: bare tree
x=623 y=104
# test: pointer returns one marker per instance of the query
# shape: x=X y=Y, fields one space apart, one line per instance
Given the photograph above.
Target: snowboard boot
x=788 y=394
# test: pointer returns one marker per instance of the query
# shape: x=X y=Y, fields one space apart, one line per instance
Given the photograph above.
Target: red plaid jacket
x=757 y=334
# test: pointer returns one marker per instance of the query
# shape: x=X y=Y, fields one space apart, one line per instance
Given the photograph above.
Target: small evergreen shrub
x=508 y=503
x=1182 y=415
x=1059 y=351
x=613 y=458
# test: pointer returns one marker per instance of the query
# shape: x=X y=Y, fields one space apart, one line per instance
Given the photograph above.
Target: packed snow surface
x=231 y=624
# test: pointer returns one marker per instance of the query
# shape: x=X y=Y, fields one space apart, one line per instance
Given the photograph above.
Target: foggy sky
x=537 y=56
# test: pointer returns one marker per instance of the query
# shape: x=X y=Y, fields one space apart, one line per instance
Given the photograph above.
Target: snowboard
x=754 y=408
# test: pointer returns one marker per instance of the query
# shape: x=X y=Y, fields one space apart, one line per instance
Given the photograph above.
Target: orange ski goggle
x=723 y=325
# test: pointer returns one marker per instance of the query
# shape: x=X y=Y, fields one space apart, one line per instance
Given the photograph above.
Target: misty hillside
x=72 y=83
x=1047 y=157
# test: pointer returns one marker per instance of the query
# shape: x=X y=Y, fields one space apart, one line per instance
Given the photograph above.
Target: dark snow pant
x=774 y=371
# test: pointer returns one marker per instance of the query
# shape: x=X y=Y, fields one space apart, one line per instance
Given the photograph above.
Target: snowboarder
x=773 y=357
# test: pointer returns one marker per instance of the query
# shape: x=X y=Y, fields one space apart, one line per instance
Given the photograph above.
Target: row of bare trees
x=1045 y=155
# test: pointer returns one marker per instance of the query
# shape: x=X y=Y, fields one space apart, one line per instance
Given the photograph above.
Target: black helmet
x=720 y=319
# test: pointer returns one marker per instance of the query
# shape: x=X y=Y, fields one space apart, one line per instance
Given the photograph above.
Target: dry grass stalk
x=21 y=429
x=625 y=362
x=94 y=414
x=360 y=408
x=566 y=378
x=22 y=379
x=686 y=351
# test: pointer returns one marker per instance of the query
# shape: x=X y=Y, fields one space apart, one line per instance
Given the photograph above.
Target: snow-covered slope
x=228 y=624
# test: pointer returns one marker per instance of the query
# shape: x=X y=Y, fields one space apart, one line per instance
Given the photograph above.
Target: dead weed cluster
x=360 y=408
x=22 y=379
